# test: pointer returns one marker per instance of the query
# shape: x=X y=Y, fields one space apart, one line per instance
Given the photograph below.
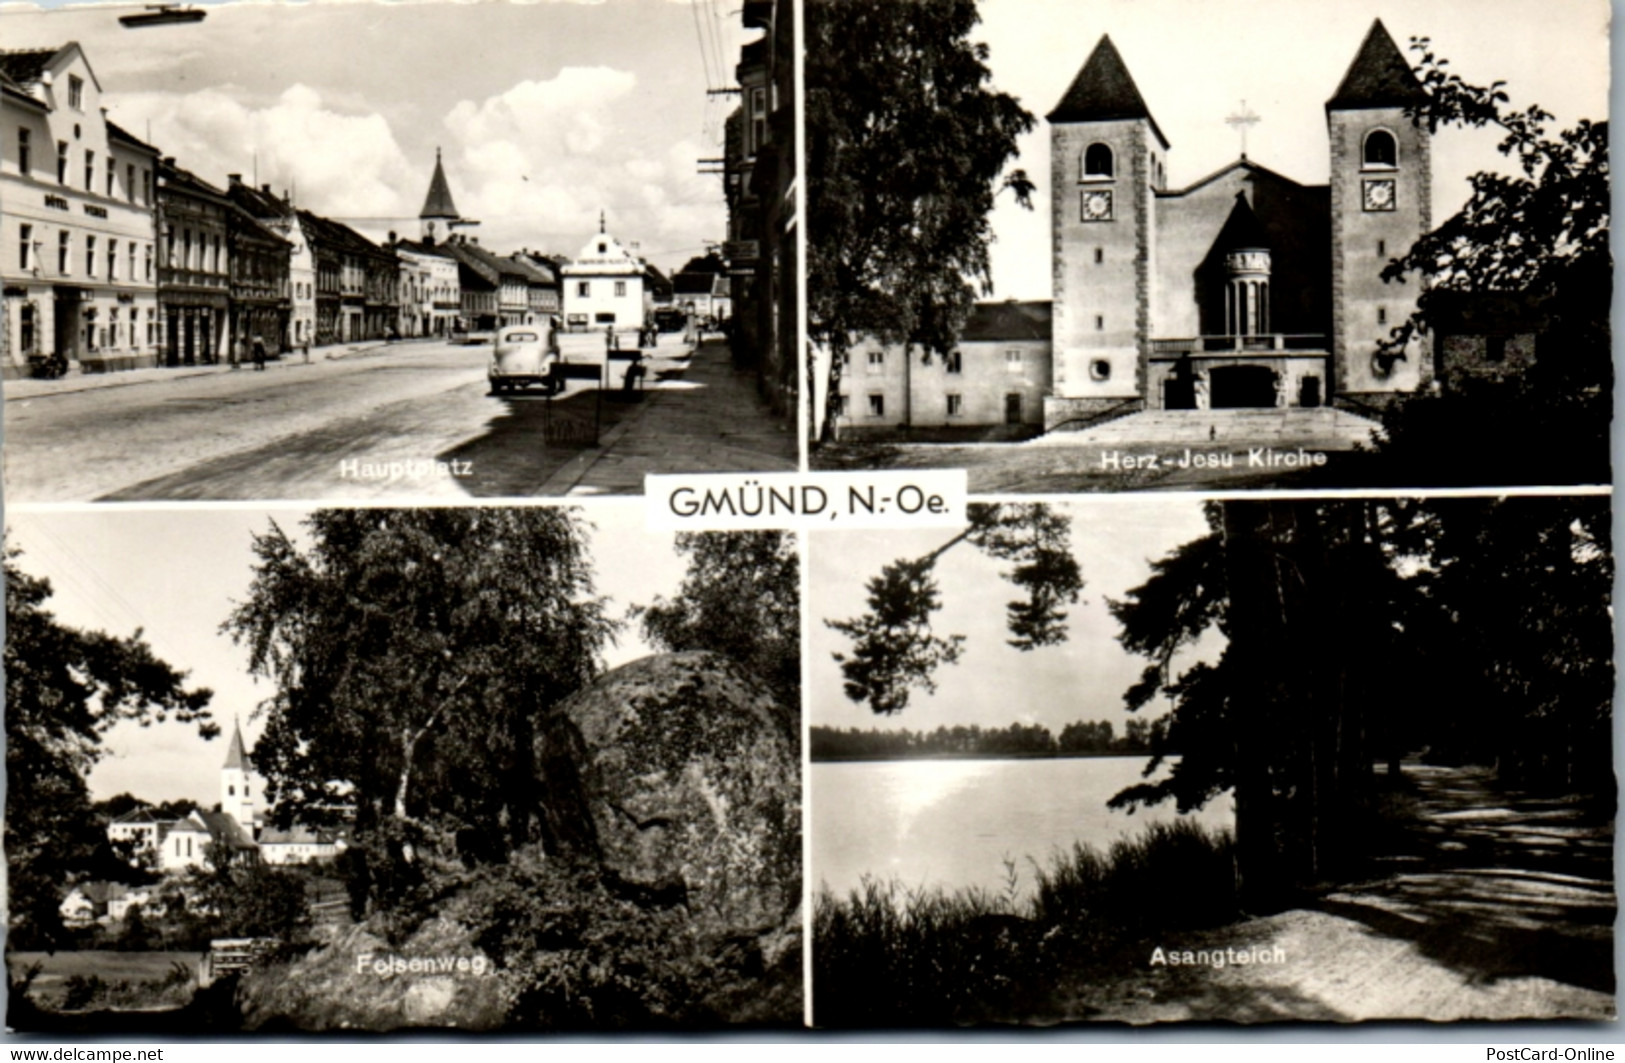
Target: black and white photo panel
x=1135 y=761
x=430 y=252
x=491 y=770
x=1073 y=246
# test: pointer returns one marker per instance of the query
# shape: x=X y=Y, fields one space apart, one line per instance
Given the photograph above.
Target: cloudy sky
x=1195 y=62
x=175 y=574
x=1114 y=538
x=547 y=111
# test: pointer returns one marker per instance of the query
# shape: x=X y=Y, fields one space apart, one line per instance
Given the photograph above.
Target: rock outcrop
x=678 y=778
x=681 y=776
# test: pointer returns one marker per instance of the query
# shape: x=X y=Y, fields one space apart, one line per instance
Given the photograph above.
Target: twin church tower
x=1245 y=289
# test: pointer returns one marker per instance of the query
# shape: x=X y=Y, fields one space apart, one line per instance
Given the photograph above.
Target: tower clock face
x=1379 y=195
x=1097 y=205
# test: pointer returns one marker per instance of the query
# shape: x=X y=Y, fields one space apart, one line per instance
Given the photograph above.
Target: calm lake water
x=953 y=822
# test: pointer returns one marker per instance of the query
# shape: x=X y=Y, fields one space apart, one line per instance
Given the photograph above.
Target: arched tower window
x=1381 y=150
x=1097 y=162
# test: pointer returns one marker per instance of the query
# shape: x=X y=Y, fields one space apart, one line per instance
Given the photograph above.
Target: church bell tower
x=1381 y=180
x=1108 y=158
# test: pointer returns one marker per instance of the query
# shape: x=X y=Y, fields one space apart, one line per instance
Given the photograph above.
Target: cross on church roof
x=1242 y=120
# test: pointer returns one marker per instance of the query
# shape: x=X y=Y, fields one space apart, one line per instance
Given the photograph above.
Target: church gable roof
x=1378 y=77
x=1104 y=90
x=438 y=204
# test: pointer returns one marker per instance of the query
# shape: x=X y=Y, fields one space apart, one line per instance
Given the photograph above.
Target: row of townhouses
x=113 y=256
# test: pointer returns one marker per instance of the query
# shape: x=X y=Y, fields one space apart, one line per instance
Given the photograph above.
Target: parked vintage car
x=524 y=355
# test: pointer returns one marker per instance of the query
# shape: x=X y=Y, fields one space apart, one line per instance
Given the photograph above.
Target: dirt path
x=1493 y=905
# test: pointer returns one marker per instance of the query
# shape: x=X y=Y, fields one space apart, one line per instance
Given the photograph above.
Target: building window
x=62 y=252
x=1382 y=315
x=956 y=405
x=129 y=182
x=149 y=262
x=152 y=321
x=1097 y=163
x=1100 y=255
x=146 y=187
x=22 y=151
x=112 y=264
x=62 y=162
x=1381 y=150
x=1100 y=322
x=620 y=289
x=1100 y=369
x=132 y=260
x=90 y=171
x=90 y=256
x=877 y=362
x=758 y=119
x=112 y=176
x=1382 y=248
x=583 y=289
x=76 y=92
x=955 y=362
x=877 y=405
x=186 y=248
x=1012 y=361
x=25 y=240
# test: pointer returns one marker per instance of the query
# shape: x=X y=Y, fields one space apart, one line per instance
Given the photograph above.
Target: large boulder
x=681 y=774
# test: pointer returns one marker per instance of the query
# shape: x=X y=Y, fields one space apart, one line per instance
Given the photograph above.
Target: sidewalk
x=33 y=387
x=703 y=417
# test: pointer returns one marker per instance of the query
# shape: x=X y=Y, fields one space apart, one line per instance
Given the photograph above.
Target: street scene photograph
x=1143 y=760
x=429 y=251
x=1153 y=244
x=491 y=770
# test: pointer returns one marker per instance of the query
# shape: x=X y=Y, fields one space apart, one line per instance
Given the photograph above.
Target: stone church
x=1243 y=290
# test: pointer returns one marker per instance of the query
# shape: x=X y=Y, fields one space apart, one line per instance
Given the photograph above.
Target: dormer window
x=76 y=92
x=1097 y=163
x=1381 y=151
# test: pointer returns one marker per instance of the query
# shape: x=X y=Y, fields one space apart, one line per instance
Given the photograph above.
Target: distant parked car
x=524 y=355
x=667 y=320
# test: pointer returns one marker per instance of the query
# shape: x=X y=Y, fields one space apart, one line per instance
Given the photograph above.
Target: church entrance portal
x=1237 y=387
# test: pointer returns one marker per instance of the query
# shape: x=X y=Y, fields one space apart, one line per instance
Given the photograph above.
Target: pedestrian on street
x=239 y=353
x=259 y=354
x=609 y=338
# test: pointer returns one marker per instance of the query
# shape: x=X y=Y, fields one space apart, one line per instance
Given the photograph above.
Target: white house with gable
x=603 y=286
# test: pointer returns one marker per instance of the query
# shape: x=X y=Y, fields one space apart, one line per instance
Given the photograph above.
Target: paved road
x=410 y=421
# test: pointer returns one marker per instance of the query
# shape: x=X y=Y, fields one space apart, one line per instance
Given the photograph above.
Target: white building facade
x=603 y=287
x=77 y=235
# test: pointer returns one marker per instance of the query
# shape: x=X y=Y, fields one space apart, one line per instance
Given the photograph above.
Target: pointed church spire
x=1103 y=91
x=438 y=204
x=1378 y=77
x=236 y=755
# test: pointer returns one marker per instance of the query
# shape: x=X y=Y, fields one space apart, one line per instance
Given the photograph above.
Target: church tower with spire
x=1381 y=203
x=239 y=785
x=1108 y=158
x=437 y=206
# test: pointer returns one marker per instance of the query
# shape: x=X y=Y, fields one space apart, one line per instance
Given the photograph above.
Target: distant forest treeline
x=1082 y=738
